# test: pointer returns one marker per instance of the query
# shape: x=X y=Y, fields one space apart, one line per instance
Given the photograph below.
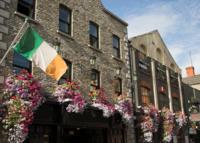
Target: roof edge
x=113 y=15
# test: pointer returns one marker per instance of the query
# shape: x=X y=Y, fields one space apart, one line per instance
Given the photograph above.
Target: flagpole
x=13 y=42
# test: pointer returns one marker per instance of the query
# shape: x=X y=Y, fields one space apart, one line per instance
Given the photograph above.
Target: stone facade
x=75 y=47
x=163 y=73
x=157 y=78
x=4 y=16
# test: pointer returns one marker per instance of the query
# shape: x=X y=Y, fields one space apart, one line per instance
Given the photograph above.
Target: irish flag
x=35 y=49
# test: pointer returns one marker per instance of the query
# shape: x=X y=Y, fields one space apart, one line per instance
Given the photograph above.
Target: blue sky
x=178 y=22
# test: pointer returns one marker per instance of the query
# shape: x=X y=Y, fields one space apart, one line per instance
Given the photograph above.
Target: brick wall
x=4 y=31
x=74 y=48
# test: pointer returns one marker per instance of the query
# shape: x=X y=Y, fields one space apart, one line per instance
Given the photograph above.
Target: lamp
x=93 y=60
x=118 y=71
x=56 y=45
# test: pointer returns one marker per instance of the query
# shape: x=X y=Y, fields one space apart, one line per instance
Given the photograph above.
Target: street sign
x=195 y=117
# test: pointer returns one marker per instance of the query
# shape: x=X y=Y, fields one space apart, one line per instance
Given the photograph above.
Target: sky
x=178 y=22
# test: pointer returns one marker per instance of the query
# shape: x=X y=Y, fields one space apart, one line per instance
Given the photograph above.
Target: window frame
x=28 y=6
x=118 y=81
x=145 y=96
x=117 y=49
x=67 y=23
x=163 y=100
x=92 y=37
x=97 y=75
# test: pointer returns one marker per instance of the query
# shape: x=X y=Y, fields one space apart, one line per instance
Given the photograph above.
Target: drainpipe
x=133 y=81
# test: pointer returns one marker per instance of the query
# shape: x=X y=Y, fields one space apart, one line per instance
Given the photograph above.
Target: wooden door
x=84 y=135
x=41 y=134
x=117 y=136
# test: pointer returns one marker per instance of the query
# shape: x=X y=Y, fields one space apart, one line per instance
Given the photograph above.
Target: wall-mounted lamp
x=118 y=71
x=56 y=45
x=93 y=60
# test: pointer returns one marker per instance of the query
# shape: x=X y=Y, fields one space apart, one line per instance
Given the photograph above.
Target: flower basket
x=21 y=98
x=98 y=99
x=124 y=107
x=168 y=124
x=149 y=122
x=69 y=92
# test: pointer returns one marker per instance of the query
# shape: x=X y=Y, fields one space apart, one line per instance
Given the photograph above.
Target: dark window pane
x=118 y=86
x=116 y=53
x=93 y=30
x=31 y=2
x=64 y=15
x=26 y=7
x=63 y=27
x=64 y=19
x=116 y=46
x=93 y=42
x=163 y=101
x=19 y=63
x=115 y=42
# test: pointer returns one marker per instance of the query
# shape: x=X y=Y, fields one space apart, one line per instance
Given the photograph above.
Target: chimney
x=190 y=71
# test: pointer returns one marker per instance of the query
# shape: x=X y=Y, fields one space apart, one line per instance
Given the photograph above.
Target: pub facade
x=93 y=43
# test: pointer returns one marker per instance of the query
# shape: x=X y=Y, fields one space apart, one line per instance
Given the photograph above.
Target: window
x=68 y=74
x=94 y=35
x=95 y=79
x=163 y=100
x=176 y=104
x=19 y=63
x=145 y=95
x=26 y=7
x=116 y=46
x=118 y=86
x=65 y=19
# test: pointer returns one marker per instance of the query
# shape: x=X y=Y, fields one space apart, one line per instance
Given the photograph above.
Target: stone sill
x=24 y=16
x=65 y=35
x=95 y=49
x=117 y=59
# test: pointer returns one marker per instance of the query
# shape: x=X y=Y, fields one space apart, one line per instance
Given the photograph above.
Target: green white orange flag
x=35 y=49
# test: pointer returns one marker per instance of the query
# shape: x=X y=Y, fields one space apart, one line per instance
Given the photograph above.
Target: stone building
x=156 y=76
x=93 y=42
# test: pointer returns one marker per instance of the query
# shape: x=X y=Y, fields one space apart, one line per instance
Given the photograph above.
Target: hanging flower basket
x=69 y=93
x=21 y=98
x=100 y=100
x=180 y=119
x=149 y=121
x=168 y=124
x=123 y=106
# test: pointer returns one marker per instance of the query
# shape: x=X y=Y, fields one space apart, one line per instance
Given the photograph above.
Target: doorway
x=84 y=135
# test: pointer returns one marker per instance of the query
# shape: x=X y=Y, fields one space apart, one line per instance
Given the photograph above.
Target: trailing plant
x=168 y=124
x=21 y=98
x=69 y=92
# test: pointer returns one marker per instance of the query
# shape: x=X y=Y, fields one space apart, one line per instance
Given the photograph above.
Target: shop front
x=52 y=124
